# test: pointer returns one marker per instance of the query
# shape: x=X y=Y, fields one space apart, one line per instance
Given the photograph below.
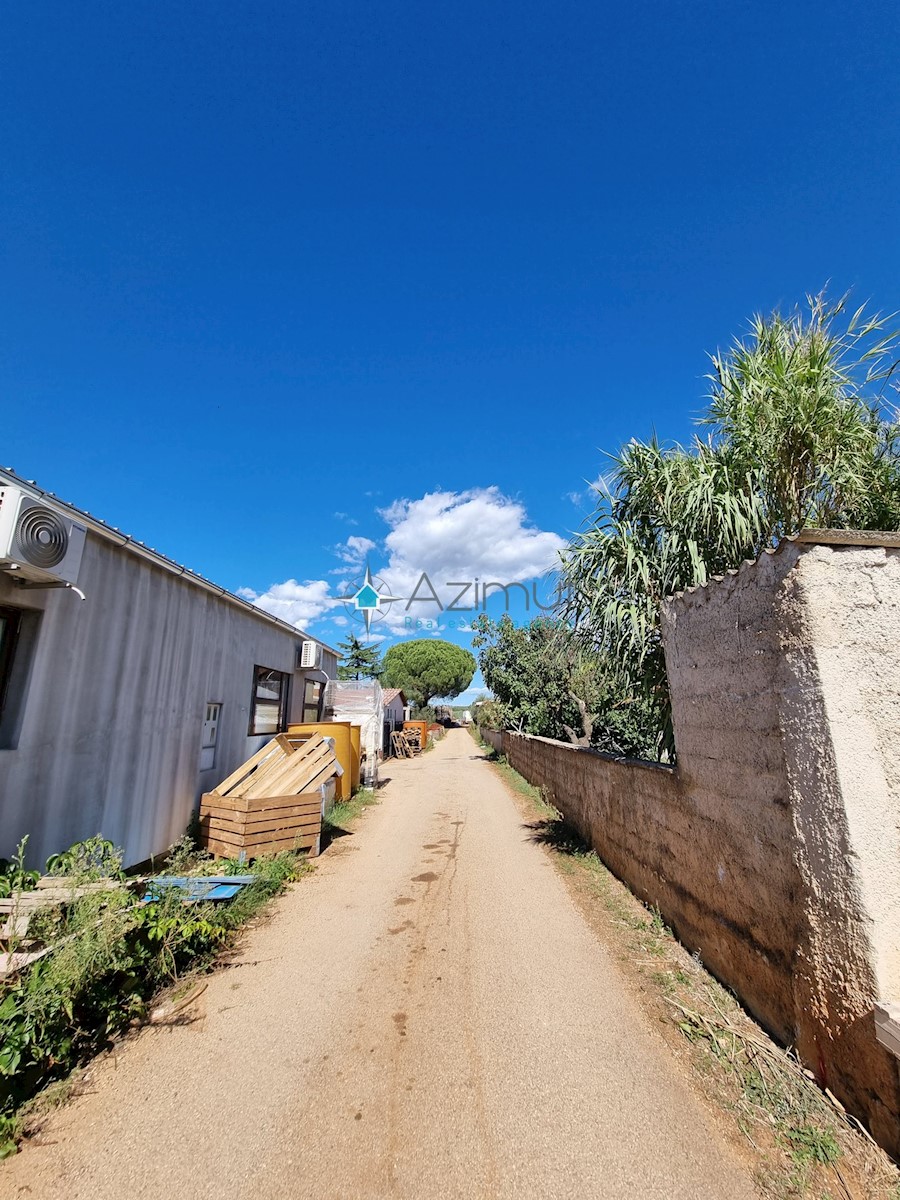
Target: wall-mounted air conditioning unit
x=309 y=656
x=37 y=543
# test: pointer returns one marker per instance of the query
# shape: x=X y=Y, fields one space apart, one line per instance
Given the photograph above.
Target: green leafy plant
x=180 y=933
x=548 y=682
x=13 y=875
x=185 y=856
x=812 y=1144
x=108 y=955
x=89 y=860
x=800 y=435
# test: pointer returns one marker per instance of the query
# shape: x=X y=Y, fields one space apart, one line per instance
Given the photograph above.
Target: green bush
x=13 y=876
x=110 y=954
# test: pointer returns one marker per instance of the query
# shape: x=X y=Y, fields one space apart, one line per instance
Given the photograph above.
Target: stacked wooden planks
x=272 y=802
x=402 y=745
x=49 y=891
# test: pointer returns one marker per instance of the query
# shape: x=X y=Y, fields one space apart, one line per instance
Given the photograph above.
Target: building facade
x=118 y=710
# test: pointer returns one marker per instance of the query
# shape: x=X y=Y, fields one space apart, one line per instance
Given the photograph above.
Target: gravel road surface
x=427 y=1015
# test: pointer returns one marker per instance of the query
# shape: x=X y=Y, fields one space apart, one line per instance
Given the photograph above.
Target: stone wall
x=493 y=738
x=773 y=848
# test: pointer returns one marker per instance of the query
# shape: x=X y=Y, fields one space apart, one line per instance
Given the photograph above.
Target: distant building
x=119 y=709
x=395 y=704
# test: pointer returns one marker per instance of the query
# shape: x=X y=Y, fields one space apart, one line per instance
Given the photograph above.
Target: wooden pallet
x=274 y=823
x=272 y=802
x=49 y=892
x=402 y=745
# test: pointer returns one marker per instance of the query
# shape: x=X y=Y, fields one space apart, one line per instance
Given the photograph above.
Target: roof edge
x=126 y=542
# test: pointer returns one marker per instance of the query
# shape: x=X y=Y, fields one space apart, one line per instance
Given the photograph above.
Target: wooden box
x=272 y=802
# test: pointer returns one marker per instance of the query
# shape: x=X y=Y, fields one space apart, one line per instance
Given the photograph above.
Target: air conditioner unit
x=310 y=656
x=38 y=543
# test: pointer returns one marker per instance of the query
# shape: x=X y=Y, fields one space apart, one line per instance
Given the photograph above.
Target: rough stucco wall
x=110 y=737
x=493 y=739
x=774 y=847
x=723 y=650
x=839 y=696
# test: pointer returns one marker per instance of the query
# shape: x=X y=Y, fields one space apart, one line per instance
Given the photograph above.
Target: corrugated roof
x=133 y=545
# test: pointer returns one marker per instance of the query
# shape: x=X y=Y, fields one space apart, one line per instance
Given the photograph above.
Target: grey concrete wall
x=111 y=712
x=773 y=848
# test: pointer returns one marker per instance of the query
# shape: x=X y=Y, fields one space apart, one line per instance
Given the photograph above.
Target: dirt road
x=428 y=1015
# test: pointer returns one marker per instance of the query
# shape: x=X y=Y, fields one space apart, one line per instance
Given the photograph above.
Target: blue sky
x=268 y=263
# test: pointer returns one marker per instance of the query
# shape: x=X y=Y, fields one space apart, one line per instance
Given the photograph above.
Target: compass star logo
x=368 y=599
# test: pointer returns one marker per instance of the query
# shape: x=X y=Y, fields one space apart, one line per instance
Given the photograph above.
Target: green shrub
x=13 y=876
x=95 y=858
x=110 y=954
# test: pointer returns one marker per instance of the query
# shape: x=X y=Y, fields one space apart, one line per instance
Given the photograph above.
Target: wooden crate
x=263 y=825
x=272 y=802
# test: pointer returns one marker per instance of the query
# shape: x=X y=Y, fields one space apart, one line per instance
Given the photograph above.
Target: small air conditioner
x=310 y=656
x=38 y=543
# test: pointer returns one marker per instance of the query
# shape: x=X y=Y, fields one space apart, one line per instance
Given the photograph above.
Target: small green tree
x=546 y=682
x=427 y=667
x=358 y=661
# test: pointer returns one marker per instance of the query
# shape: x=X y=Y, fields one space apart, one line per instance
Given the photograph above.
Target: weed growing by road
x=110 y=952
x=13 y=875
x=347 y=811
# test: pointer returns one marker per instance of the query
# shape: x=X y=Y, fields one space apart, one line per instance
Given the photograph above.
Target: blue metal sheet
x=203 y=887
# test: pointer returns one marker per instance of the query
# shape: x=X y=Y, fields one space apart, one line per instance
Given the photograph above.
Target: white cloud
x=453 y=538
x=354 y=551
x=594 y=491
x=460 y=537
x=297 y=603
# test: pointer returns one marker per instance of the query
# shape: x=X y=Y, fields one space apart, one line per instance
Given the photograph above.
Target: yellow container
x=356 y=743
x=343 y=751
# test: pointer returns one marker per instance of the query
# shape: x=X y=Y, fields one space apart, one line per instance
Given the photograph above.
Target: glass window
x=268 y=706
x=312 y=701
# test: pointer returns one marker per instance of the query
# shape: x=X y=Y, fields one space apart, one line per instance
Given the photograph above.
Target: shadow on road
x=331 y=833
x=554 y=832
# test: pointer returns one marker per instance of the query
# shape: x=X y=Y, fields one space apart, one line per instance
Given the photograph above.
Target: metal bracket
x=30 y=585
